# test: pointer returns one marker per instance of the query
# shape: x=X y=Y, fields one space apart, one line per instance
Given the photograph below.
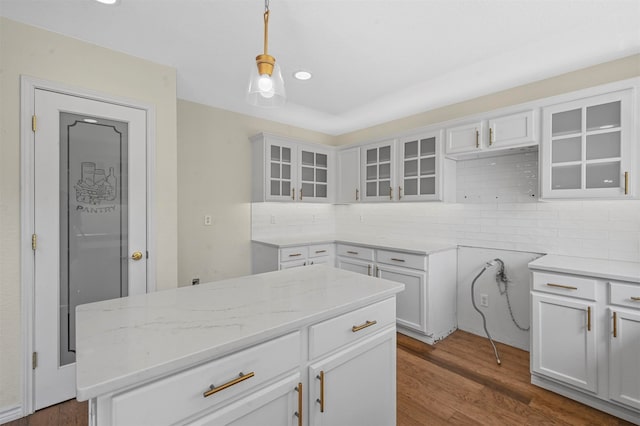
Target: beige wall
x=25 y=50
x=599 y=74
x=214 y=178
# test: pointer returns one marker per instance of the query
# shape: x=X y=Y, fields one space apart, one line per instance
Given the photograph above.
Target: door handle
x=136 y=255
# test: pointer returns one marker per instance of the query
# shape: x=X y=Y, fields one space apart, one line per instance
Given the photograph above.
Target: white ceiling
x=372 y=61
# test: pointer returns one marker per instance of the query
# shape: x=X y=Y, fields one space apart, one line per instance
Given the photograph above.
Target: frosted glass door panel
x=93 y=217
x=603 y=116
x=603 y=175
x=603 y=145
x=280 y=182
x=378 y=172
x=418 y=168
x=566 y=122
x=564 y=150
x=566 y=177
x=314 y=170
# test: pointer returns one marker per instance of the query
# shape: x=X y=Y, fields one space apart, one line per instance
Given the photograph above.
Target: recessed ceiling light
x=302 y=75
x=107 y=1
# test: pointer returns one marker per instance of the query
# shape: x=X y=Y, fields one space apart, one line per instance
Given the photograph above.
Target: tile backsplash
x=500 y=211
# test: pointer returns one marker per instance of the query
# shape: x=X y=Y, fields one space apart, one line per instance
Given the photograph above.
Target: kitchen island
x=304 y=346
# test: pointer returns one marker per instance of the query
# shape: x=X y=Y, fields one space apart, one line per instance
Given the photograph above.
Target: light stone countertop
x=599 y=268
x=403 y=245
x=127 y=341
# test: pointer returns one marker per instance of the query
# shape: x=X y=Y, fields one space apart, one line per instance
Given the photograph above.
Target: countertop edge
x=557 y=263
x=375 y=245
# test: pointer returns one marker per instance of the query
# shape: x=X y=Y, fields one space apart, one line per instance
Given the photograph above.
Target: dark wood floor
x=457 y=381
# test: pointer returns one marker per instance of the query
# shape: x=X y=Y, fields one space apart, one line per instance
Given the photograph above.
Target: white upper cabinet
x=348 y=175
x=419 y=171
x=486 y=137
x=587 y=148
x=285 y=170
x=378 y=171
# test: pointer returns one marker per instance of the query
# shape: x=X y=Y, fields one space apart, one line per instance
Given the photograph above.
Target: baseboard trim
x=10 y=413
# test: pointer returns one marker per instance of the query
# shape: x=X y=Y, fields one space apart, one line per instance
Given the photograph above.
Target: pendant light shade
x=266 y=86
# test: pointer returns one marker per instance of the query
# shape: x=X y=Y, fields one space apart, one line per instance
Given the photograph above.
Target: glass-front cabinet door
x=281 y=171
x=419 y=169
x=314 y=174
x=587 y=150
x=378 y=171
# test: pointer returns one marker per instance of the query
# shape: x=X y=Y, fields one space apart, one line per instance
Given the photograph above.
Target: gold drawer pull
x=477 y=138
x=588 y=318
x=321 y=399
x=320 y=251
x=369 y=269
x=490 y=136
x=357 y=194
x=298 y=413
x=293 y=194
x=615 y=324
x=356 y=328
x=397 y=260
x=626 y=183
x=295 y=255
x=241 y=378
x=635 y=299
x=352 y=252
x=568 y=287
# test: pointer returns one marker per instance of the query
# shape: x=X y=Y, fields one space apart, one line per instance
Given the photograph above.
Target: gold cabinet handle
x=357 y=194
x=298 y=413
x=477 y=138
x=321 y=399
x=300 y=194
x=588 y=318
x=320 y=251
x=490 y=136
x=357 y=328
x=293 y=194
x=634 y=299
x=626 y=183
x=615 y=324
x=568 y=287
x=399 y=193
x=391 y=193
x=397 y=260
x=241 y=378
x=295 y=255
x=136 y=255
x=369 y=270
x=377 y=272
x=352 y=252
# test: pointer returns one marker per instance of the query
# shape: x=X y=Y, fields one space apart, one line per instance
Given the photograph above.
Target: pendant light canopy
x=266 y=86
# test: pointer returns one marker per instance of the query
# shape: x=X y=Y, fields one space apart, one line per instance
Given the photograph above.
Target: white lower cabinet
x=355 y=386
x=267 y=258
x=426 y=308
x=585 y=340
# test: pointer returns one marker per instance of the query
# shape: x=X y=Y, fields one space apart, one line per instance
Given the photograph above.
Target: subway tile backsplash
x=500 y=211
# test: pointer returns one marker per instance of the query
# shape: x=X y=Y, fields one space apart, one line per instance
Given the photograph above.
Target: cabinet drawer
x=336 y=332
x=407 y=260
x=320 y=250
x=355 y=252
x=624 y=294
x=293 y=253
x=566 y=285
x=169 y=400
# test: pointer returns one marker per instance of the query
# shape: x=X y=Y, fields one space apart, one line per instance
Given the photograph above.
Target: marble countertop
x=599 y=268
x=126 y=341
x=410 y=246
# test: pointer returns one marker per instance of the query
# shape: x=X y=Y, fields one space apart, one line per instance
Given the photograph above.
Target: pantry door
x=90 y=223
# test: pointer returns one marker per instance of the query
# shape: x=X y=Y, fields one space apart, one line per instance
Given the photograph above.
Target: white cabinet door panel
x=624 y=358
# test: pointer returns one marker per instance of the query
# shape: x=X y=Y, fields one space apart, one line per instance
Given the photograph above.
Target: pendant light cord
x=266 y=26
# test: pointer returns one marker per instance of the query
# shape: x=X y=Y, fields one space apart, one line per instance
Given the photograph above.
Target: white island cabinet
x=269 y=349
x=585 y=331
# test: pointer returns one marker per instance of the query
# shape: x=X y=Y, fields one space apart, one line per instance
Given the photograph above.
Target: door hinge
x=34 y=241
x=33 y=123
x=34 y=360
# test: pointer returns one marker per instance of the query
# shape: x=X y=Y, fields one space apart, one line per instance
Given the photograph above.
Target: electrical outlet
x=195 y=281
x=208 y=220
x=484 y=300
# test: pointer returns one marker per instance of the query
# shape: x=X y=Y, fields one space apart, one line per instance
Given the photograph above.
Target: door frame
x=28 y=86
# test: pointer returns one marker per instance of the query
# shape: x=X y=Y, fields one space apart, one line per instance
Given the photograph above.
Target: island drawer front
x=319 y=250
x=293 y=253
x=339 y=331
x=565 y=285
x=355 y=252
x=407 y=260
x=176 y=397
x=624 y=294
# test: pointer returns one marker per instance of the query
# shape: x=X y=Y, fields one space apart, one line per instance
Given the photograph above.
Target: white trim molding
x=28 y=86
x=8 y=414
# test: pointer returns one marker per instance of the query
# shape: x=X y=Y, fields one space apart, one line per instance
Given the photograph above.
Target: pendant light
x=266 y=87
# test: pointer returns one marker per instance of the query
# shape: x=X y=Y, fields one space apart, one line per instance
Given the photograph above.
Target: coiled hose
x=473 y=301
